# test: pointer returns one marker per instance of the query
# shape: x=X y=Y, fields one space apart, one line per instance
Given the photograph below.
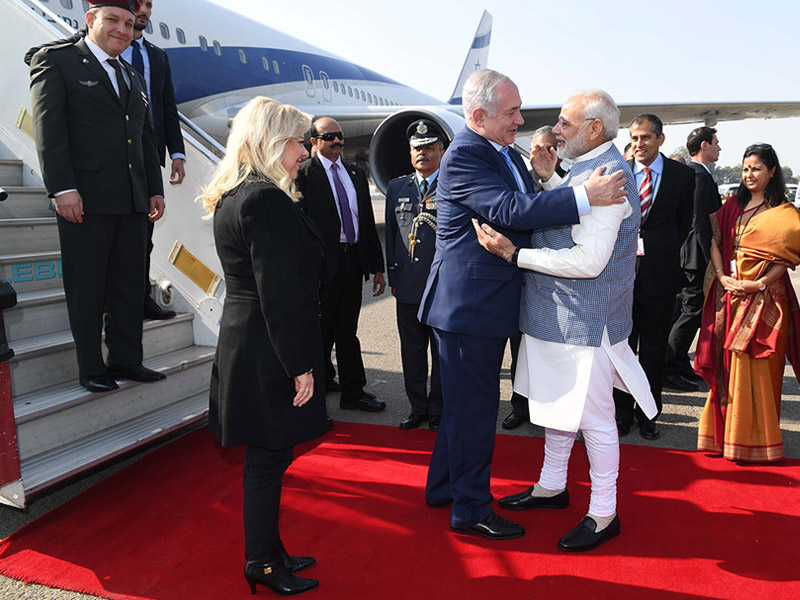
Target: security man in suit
x=704 y=148
x=153 y=64
x=336 y=197
x=410 y=246
x=99 y=162
x=666 y=194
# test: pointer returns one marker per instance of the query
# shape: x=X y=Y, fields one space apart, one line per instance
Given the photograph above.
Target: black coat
x=407 y=276
x=86 y=139
x=320 y=204
x=270 y=331
x=658 y=272
x=696 y=251
x=166 y=123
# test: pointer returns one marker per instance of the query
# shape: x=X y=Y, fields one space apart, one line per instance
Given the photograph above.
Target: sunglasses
x=329 y=136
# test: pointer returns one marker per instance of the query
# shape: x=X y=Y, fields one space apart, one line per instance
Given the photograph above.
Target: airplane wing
x=673 y=114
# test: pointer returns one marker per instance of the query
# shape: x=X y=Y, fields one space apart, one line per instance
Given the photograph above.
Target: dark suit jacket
x=658 y=272
x=166 y=123
x=86 y=139
x=320 y=204
x=408 y=276
x=270 y=331
x=469 y=290
x=696 y=251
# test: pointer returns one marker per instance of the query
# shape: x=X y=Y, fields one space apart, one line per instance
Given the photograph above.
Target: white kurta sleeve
x=594 y=237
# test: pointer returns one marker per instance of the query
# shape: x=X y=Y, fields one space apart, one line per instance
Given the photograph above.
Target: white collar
x=431 y=178
x=327 y=162
x=98 y=52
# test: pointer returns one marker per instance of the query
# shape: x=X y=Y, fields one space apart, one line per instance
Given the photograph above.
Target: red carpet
x=169 y=527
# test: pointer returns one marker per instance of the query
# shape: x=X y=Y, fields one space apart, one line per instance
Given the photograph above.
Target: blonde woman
x=264 y=393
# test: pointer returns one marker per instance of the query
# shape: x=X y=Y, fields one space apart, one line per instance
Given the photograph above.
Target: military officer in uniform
x=410 y=245
x=99 y=162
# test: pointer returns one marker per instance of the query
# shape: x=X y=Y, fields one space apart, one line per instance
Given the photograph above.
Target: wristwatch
x=761 y=285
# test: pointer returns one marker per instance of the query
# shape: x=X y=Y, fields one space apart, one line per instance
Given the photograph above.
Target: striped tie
x=646 y=193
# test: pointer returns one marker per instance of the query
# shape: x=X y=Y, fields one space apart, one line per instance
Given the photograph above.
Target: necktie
x=123 y=87
x=424 y=187
x=344 y=206
x=517 y=178
x=136 y=57
x=646 y=193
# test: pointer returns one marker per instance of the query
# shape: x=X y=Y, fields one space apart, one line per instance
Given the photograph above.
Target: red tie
x=646 y=192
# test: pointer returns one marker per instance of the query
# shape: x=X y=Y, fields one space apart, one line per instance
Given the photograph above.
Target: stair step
x=48 y=360
x=25 y=202
x=31 y=271
x=51 y=467
x=30 y=235
x=61 y=415
x=37 y=313
x=10 y=172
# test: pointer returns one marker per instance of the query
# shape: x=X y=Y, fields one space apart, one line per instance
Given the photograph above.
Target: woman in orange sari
x=751 y=319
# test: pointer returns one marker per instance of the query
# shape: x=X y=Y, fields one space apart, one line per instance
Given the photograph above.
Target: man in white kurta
x=574 y=349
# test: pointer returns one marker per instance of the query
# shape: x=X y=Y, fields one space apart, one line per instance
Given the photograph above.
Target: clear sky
x=677 y=51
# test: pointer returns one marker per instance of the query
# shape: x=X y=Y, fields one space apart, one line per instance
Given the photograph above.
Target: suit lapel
x=323 y=183
x=90 y=62
x=667 y=181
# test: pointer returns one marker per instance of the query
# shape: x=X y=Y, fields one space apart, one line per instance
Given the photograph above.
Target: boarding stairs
x=61 y=429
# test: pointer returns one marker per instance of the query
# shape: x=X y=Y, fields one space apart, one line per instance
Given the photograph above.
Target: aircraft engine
x=388 y=150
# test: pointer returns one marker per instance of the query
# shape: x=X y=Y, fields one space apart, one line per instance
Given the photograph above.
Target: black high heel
x=296 y=563
x=275 y=575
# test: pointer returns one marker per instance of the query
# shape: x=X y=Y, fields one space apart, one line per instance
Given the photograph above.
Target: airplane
x=221 y=59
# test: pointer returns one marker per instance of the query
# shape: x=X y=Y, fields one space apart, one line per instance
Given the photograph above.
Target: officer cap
x=131 y=5
x=423 y=132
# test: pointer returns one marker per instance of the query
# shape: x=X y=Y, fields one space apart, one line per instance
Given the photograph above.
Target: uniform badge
x=144 y=98
x=88 y=83
x=422 y=129
x=85 y=61
x=404 y=200
x=430 y=203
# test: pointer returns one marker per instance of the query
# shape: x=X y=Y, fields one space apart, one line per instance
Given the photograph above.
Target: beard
x=140 y=26
x=574 y=147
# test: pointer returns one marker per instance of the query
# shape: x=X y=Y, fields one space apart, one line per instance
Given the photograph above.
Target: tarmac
x=380 y=347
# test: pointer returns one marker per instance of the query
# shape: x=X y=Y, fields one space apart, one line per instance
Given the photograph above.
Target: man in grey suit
x=410 y=246
x=99 y=162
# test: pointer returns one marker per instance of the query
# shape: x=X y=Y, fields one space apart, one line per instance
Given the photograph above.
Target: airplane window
x=66 y=3
x=242 y=56
x=203 y=44
x=164 y=30
x=180 y=35
x=276 y=67
x=350 y=91
x=265 y=63
x=325 y=82
x=217 y=48
x=363 y=96
x=335 y=87
x=369 y=97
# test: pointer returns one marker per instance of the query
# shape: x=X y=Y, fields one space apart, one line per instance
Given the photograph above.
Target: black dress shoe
x=512 y=421
x=333 y=386
x=434 y=423
x=100 y=383
x=155 y=312
x=275 y=575
x=296 y=563
x=134 y=373
x=649 y=430
x=524 y=501
x=493 y=527
x=623 y=427
x=680 y=383
x=692 y=376
x=583 y=537
x=413 y=421
x=330 y=423
x=367 y=403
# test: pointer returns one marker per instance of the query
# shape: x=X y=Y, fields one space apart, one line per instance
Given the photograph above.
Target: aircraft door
x=308 y=75
x=326 y=86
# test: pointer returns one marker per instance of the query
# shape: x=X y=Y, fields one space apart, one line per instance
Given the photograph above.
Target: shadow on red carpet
x=169 y=527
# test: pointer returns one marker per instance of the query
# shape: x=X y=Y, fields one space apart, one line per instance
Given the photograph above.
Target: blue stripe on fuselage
x=198 y=74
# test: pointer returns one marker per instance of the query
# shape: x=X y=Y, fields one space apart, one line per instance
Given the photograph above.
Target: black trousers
x=103 y=262
x=341 y=307
x=652 y=319
x=686 y=321
x=262 y=483
x=415 y=337
x=148 y=288
x=519 y=403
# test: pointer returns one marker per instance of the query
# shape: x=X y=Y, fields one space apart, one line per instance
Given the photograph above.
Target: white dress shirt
x=656 y=170
x=349 y=188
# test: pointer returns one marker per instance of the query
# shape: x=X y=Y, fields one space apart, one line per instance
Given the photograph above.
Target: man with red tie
x=666 y=192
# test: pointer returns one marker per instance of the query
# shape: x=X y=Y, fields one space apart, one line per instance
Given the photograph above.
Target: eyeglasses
x=329 y=136
x=759 y=146
x=565 y=123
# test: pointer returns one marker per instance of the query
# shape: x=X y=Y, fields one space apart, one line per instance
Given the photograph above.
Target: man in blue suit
x=472 y=298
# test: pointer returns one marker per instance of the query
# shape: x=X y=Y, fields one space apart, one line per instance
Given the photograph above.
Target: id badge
x=640 y=246
x=733 y=268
